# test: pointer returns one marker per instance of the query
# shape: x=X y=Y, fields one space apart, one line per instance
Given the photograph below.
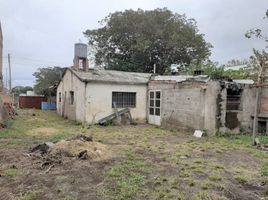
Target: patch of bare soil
x=69 y=168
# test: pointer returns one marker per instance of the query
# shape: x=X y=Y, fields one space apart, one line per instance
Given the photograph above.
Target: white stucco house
x=87 y=95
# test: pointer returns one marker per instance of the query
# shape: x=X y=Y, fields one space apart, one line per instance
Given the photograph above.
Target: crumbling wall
x=208 y=106
x=214 y=106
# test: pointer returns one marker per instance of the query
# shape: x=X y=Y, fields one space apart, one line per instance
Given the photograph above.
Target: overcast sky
x=39 y=33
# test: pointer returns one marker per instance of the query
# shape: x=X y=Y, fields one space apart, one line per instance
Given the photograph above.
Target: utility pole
x=9 y=73
x=6 y=78
x=258 y=90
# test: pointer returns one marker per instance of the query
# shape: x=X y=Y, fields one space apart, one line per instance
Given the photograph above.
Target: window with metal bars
x=124 y=99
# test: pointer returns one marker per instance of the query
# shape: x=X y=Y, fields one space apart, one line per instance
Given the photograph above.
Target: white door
x=154 y=107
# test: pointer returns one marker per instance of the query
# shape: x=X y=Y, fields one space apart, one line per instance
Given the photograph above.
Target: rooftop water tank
x=80 y=50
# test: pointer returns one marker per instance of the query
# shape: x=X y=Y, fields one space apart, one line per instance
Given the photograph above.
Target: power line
x=23 y=60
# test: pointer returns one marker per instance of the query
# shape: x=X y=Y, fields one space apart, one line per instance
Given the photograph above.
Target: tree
x=21 y=90
x=136 y=40
x=257 y=55
x=47 y=79
x=258 y=32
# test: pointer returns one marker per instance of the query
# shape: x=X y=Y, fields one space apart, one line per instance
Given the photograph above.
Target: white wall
x=75 y=111
x=99 y=100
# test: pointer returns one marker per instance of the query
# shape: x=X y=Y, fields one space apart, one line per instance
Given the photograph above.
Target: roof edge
x=101 y=81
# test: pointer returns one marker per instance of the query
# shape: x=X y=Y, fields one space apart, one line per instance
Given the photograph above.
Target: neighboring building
x=235 y=67
x=88 y=96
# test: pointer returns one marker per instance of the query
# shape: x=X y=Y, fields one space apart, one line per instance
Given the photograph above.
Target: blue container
x=48 y=105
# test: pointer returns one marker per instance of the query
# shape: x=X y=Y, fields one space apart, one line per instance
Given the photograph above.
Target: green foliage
x=136 y=40
x=217 y=72
x=47 y=79
x=21 y=90
x=258 y=33
x=255 y=59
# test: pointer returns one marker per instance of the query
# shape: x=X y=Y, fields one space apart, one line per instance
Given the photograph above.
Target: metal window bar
x=124 y=99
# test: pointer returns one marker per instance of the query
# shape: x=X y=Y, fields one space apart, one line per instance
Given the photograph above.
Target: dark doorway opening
x=232 y=106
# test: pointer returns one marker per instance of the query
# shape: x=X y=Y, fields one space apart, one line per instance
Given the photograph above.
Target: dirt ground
x=145 y=162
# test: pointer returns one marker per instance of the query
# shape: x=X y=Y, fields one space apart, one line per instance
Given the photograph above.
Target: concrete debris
x=257 y=141
x=42 y=148
x=263 y=147
x=183 y=157
x=80 y=146
x=82 y=138
x=198 y=133
x=116 y=115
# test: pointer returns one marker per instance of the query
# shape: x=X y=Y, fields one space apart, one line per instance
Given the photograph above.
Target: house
x=88 y=96
x=177 y=101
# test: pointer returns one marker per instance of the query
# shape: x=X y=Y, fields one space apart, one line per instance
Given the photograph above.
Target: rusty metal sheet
x=31 y=101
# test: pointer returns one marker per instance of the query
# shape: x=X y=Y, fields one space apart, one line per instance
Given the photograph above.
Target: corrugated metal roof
x=181 y=78
x=235 y=68
x=111 y=76
x=244 y=81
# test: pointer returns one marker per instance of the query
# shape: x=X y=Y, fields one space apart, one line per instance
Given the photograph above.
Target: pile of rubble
x=77 y=147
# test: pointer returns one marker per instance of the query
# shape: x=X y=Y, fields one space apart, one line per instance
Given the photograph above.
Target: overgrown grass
x=161 y=164
x=31 y=195
x=11 y=172
x=32 y=124
x=126 y=177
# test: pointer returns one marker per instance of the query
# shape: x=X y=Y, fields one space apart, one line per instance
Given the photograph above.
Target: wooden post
x=255 y=120
x=116 y=113
x=10 y=87
x=258 y=89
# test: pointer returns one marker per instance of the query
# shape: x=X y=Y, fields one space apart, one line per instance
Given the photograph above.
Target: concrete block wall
x=183 y=108
x=188 y=105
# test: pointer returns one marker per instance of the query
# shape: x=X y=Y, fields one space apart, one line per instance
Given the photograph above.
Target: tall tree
x=258 y=32
x=46 y=80
x=257 y=54
x=136 y=40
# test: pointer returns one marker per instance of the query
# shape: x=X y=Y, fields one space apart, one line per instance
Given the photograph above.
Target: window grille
x=124 y=99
